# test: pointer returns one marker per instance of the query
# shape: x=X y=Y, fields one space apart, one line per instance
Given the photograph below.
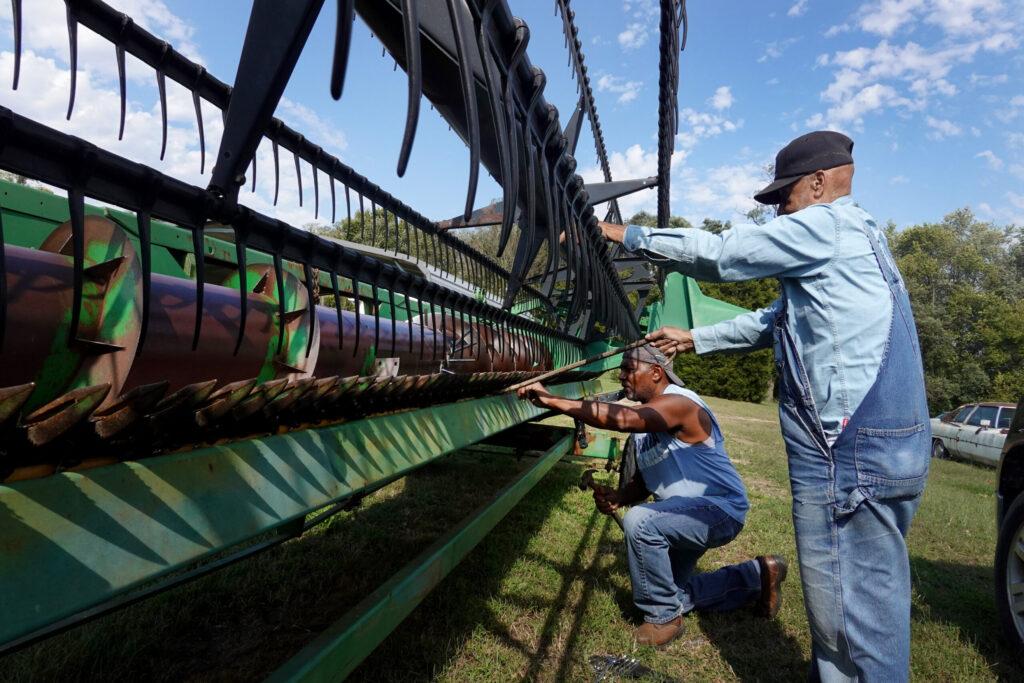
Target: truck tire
x=1009 y=575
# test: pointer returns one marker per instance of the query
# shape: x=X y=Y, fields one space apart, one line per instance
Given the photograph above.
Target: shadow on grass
x=962 y=595
x=434 y=634
x=756 y=649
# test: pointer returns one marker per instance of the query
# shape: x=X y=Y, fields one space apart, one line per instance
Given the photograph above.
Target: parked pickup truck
x=975 y=431
x=1009 y=565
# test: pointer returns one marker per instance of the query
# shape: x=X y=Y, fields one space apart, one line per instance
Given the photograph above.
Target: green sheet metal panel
x=72 y=541
x=336 y=652
x=682 y=305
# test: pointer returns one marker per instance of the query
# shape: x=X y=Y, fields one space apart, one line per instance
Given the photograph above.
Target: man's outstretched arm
x=663 y=414
x=795 y=245
x=745 y=332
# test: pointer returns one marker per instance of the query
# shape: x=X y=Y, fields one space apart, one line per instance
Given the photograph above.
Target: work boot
x=659 y=635
x=773 y=573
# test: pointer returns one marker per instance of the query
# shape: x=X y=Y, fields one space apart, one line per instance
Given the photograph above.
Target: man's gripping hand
x=606 y=498
x=534 y=393
x=671 y=340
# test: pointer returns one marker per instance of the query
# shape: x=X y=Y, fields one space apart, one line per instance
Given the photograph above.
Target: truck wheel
x=1009 y=574
x=938 y=450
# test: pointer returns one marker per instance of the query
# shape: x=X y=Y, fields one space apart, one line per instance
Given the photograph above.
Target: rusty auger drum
x=164 y=346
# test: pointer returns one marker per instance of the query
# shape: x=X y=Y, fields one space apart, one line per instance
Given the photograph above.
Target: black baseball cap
x=817 y=151
x=648 y=353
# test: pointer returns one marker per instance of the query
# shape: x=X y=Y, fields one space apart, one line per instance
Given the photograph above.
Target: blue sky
x=932 y=91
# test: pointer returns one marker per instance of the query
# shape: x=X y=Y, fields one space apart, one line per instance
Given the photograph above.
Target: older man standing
x=851 y=393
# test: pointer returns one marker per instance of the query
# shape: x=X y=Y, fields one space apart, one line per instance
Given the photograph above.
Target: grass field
x=545 y=591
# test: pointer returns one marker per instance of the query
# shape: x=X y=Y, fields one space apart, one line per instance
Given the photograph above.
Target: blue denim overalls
x=853 y=501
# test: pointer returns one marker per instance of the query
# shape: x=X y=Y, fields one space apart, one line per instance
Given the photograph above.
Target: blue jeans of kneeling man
x=664 y=540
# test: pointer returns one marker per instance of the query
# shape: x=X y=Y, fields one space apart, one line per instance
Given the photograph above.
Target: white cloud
x=644 y=16
x=626 y=90
x=772 y=81
x=635 y=162
x=696 y=125
x=984 y=80
x=885 y=17
x=910 y=76
x=994 y=162
x=963 y=17
x=798 y=8
x=42 y=96
x=774 y=49
x=942 y=128
x=1015 y=140
x=956 y=18
x=873 y=98
x=723 y=191
x=836 y=29
x=1012 y=212
x=722 y=99
x=633 y=36
x=899 y=180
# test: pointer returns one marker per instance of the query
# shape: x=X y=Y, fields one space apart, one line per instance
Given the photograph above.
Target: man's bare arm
x=659 y=415
x=612 y=231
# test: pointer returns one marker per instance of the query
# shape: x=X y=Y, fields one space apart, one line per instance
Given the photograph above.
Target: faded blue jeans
x=664 y=540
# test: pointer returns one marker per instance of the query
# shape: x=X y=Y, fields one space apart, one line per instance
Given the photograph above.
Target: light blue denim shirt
x=837 y=304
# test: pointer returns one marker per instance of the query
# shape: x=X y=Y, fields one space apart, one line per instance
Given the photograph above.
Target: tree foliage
x=966 y=283
x=741 y=377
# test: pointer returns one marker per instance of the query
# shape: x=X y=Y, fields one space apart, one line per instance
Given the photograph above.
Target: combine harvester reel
x=184 y=380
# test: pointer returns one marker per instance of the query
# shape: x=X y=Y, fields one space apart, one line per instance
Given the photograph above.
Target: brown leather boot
x=659 y=635
x=773 y=573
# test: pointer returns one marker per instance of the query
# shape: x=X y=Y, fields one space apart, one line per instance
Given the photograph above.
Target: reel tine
x=348 y=209
x=358 y=306
x=161 y=85
x=362 y=220
x=277 y=169
x=337 y=309
x=342 y=44
x=252 y=188
x=495 y=97
x=307 y=272
x=142 y=218
x=16 y=20
x=391 y=302
x=279 y=276
x=72 y=54
x=373 y=222
x=330 y=177
x=376 y=315
x=85 y=158
x=200 y=72
x=469 y=101
x=316 y=184
x=408 y=313
x=414 y=70
x=522 y=39
x=3 y=284
x=199 y=249
x=298 y=171
x=122 y=83
x=243 y=281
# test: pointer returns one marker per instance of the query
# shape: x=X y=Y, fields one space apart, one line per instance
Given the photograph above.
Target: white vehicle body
x=973 y=432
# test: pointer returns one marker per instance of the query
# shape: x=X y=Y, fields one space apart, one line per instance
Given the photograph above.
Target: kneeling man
x=699 y=499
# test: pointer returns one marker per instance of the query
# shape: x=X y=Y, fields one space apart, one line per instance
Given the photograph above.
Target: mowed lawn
x=543 y=593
